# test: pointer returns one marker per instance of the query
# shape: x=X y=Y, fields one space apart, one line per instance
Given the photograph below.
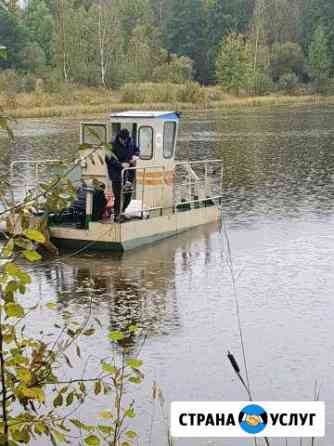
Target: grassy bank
x=91 y=101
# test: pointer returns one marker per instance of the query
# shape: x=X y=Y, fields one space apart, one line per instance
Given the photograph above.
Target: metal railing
x=201 y=180
x=195 y=184
x=29 y=179
x=192 y=183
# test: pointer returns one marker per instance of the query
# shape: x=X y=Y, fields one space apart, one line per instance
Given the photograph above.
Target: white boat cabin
x=155 y=133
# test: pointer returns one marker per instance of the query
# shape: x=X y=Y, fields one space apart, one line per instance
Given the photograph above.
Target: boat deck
x=133 y=233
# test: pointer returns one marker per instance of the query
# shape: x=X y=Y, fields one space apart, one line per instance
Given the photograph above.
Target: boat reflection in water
x=138 y=288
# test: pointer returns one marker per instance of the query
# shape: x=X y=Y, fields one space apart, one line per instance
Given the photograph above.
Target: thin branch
x=74 y=381
x=3 y=384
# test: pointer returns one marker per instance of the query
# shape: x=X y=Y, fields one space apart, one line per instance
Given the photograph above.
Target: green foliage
x=132 y=13
x=34 y=394
x=324 y=87
x=287 y=58
x=12 y=83
x=260 y=83
x=33 y=58
x=165 y=92
x=40 y=24
x=174 y=69
x=148 y=93
x=142 y=55
x=14 y=37
x=233 y=63
x=223 y=18
x=3 y=53
x=116 y=336
x=5 y=126
x=58 y=194
x=317 y=13
x=110 y=44
x=318 y=58
x=288 y=82
x=191 y=92
x=81 y=49
x=280 y=20
x=186 y=28
x=28 y=365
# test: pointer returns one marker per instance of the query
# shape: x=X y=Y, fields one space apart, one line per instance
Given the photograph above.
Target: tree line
x=247 y=45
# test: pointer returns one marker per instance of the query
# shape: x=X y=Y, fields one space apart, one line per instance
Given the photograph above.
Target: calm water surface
x=279 y=214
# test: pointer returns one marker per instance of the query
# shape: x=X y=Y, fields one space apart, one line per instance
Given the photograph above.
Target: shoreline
x=228 y=103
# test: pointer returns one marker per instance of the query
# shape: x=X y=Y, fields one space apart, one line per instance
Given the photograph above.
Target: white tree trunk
x=102 y=33
x=259 y=12
x=62 y=37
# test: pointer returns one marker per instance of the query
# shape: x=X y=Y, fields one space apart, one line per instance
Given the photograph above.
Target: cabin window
x=117 y=126
x=145 y=141
x=95 y=134
x=169 y=139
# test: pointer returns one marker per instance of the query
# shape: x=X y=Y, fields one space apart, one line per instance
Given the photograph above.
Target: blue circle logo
x=253 y=419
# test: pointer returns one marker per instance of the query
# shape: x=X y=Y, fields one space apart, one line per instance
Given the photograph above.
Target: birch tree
x=61 y=39
x=102 y=39
x=108 y=31
x=258 y=28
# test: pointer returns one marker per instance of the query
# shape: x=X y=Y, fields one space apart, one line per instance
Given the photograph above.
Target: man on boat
x=123 y=155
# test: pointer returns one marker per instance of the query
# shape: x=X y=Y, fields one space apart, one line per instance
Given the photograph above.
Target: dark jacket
x=99 y=204
x=133 y=148
x=80 y=202
x=121 y=154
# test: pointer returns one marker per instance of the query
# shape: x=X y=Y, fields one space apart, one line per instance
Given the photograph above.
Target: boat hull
x=132 y=234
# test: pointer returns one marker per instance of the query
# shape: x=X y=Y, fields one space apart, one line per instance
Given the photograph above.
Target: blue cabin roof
x=163 y=115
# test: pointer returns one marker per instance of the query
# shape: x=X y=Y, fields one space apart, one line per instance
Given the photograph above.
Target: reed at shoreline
x=92 y=101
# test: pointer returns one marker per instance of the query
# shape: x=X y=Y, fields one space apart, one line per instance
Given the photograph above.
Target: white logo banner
x=248 y=419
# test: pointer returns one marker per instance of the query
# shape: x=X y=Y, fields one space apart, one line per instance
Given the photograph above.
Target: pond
x=278 y=211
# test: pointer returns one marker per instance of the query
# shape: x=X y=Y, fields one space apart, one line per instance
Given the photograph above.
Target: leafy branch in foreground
x=37 y=399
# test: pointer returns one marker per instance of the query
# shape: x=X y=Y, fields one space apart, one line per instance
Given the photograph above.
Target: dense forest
x=249 y=45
